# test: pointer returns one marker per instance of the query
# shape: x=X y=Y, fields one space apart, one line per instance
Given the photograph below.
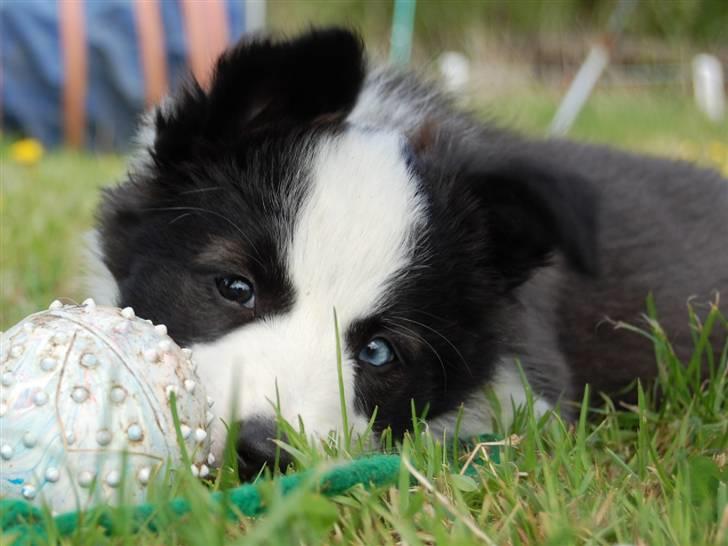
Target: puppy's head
x=259 y=211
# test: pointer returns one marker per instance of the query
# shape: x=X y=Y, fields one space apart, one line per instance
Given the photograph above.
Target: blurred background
x=645 y=75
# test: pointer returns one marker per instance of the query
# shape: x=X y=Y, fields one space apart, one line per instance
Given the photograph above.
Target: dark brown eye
x=237 y=289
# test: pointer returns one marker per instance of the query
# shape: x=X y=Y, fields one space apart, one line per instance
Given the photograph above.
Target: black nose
x=256 y=448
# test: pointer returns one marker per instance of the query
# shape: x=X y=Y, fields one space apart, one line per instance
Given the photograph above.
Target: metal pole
x=403 y=22
x=591 y=70
x=254 y=15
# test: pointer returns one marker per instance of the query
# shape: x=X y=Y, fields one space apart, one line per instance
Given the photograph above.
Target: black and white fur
x=332 y=186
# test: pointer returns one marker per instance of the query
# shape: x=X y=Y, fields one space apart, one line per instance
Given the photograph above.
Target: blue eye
x=377 y=352
x=237 y=289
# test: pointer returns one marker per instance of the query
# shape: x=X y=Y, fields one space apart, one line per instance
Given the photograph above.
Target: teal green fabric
x=17 y=516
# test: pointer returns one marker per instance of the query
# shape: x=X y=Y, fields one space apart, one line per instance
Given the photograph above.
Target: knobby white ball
x=84 y=404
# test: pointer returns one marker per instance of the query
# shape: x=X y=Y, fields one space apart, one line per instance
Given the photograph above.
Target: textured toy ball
x=84 y=405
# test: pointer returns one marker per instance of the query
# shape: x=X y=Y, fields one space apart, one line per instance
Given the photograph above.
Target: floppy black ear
x=533 y=209
x=262 y=82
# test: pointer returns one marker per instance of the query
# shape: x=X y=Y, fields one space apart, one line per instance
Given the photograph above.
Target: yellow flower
x=26 y=151
x=718 y=153
x=713 y=154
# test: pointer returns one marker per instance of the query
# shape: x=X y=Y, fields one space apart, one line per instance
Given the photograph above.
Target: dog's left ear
x=265 y=81
x=262 y=83
x=532 y=209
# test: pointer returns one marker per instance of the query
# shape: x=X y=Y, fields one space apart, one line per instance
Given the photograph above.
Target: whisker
x=432 y=315
x=176 y=218
x=200 y=190
x=431 y=329
x=417 y=337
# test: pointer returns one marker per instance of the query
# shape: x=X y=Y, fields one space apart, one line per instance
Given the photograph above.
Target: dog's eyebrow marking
x=221 y=251
x=213 y=213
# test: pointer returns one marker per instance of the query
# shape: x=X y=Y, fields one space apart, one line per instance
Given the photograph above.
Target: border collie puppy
x=303 y=182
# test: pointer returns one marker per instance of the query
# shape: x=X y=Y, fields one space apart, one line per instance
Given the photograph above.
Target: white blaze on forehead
x=354 y=233
x=356 y=229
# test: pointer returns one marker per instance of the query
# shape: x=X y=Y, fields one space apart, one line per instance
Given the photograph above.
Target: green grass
x=642 y=474
x=659 y=121
x=44 y=209
x=647 y=474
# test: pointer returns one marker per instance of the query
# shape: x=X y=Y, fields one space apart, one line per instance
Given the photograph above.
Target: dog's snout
x=256 y=448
